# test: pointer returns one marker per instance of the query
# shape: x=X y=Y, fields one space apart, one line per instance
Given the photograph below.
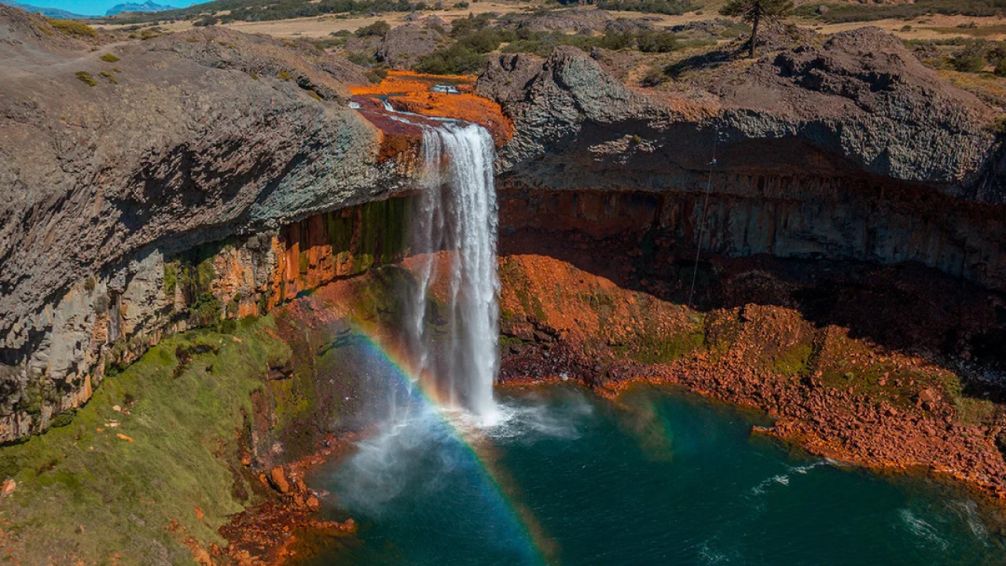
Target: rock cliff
x=117 y=154
x=845 y=148
x=857 y=103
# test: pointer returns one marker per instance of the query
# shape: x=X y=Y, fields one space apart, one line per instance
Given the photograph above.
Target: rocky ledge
x=842 y=148
x=119 y=154
x=858 y=102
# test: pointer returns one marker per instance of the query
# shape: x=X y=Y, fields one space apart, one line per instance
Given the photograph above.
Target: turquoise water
x=662 y=477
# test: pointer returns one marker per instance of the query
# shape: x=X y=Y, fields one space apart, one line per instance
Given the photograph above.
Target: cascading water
x=451 y=330
x=455 y=228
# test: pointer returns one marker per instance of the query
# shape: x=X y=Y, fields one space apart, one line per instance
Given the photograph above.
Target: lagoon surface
x=660 y=477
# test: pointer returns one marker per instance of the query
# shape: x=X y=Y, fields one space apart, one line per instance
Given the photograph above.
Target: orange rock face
x=412 y=92
x=277 y=478
x=345 y=242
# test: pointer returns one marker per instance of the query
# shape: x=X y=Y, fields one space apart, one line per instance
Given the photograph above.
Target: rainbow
x=497 y=483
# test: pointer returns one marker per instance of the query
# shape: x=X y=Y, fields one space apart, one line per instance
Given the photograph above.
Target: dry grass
x=985 y=85
x=925 y=28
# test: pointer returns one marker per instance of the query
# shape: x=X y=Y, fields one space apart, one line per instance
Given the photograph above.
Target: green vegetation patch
x=456 y=59
x=109 y=58
x=795 y=360
x=653 y=347
x=382 y=298
x=862 y=12
x=379 y=29
x=193 y=274
x=512 y=276
x=74 y=28
x=86 y=78
x=370 y=234
x=86 y=493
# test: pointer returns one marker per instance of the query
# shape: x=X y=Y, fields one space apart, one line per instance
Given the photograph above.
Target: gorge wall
x=259 y=183
x=799 y=217
x=107 y=320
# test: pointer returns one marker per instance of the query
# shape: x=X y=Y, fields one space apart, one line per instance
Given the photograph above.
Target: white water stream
x=457 y=216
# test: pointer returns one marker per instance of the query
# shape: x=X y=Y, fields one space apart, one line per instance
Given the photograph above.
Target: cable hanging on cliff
x=702 y=218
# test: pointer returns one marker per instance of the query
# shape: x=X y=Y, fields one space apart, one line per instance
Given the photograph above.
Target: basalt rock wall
x=125 y=164
x=844 y=148
x=107 y=320
x=835 y=218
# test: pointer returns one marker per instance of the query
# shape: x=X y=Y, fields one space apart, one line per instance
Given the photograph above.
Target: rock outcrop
x=860 y=103
x=799 y=151
x=403 y=46
x=118 y=155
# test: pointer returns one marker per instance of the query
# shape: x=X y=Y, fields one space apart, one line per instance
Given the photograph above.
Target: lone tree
x=754 y=11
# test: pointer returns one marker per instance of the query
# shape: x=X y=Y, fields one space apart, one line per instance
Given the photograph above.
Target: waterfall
x=454 y=233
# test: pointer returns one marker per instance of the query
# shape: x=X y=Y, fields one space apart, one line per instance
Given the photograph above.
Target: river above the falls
x=659 y=477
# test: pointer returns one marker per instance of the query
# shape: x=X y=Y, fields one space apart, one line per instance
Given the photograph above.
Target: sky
x=98 y=7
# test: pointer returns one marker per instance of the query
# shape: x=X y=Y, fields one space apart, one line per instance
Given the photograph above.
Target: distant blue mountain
x=147 y=6
x=47 y=12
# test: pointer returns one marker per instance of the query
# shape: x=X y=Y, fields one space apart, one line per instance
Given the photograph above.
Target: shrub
x=653 y=77
x=75 y=28
x=968 y=61
x=464 y=26
x=454 y=60
x=360 y=58
x=149 y=33
x=1000 y=69
x=378 y=28
x=486 y=40
x=86 y=78
x=616 y=40
x=376 y=74
x=109 y=58
x=656 y=42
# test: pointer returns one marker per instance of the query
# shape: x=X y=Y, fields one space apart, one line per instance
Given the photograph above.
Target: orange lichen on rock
x=413 y=92
x=325 y=247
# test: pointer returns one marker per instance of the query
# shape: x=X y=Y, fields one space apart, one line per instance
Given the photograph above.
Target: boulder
x=278 y=480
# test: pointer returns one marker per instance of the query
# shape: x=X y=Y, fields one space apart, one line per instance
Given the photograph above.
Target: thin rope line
x=702 y=219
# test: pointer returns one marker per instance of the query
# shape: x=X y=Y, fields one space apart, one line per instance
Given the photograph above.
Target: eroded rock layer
x=107 y=320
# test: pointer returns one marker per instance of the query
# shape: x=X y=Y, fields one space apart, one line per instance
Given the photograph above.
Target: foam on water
x=922 y=528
